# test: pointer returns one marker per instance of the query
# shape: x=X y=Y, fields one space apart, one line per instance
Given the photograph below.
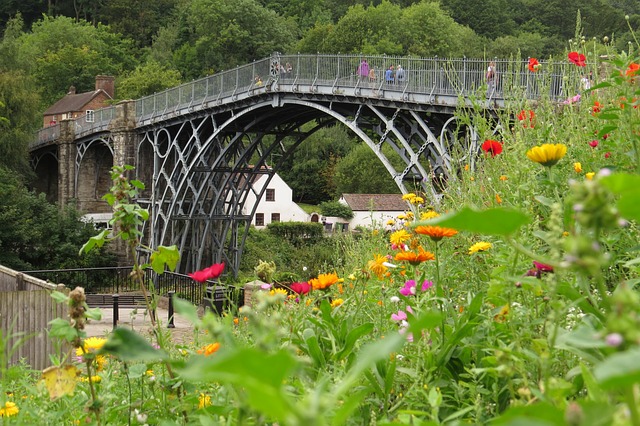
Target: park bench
x=124 y=300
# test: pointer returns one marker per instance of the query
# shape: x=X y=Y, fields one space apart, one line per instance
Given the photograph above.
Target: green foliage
x=337 y=209
x=147 y=79
x=362 y=172
x=297 y=232
x=44 y=237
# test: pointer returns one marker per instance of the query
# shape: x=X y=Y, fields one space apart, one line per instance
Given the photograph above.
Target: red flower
x=607 y=154
x=527 y=118
x=209 y=273
x=593 y=143
x=542 y=267
x=634 y=69
x=534 y=65
x=493 y=147
x=300 y=287
x=597 y=107
x=605 y=136
x=577 y=59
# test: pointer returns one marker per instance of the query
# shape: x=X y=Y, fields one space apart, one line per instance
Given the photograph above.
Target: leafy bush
x=337 y=209
x=297 y=232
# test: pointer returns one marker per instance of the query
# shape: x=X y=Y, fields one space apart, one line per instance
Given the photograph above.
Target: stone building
x=74 y=105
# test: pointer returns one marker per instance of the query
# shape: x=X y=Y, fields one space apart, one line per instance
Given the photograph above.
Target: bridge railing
x=432 y=76
x=46 y=134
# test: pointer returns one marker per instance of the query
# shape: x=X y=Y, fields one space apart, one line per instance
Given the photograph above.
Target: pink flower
x=400 y=316
x=209 y=273
x=409 y=288
x=426 y=285
x=593 y=143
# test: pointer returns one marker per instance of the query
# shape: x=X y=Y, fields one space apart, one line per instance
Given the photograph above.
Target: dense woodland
x=150 y=45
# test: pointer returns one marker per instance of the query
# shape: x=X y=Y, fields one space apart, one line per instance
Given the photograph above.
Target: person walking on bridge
x=401 y=76
x=389 y=75
x=363 y=70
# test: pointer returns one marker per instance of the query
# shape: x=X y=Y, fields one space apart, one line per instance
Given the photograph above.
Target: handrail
x=424 y=76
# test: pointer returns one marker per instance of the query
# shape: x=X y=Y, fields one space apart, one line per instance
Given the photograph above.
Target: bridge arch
x=94 y=160
x=205 y=166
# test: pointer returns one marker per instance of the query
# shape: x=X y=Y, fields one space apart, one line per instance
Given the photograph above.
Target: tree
x=59 y=53
x=147 y=79
x=17 y=98
x=362 y=172
x=220 y=35
x=38 y=235
x=488 y=18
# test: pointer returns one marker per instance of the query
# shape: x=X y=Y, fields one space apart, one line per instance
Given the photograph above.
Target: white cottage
x=374 y=210
x=276 y=203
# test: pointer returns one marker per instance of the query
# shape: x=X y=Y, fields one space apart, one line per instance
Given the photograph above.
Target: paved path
x=138 y=321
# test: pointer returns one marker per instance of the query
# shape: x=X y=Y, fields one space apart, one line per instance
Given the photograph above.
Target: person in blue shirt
x=389 y=76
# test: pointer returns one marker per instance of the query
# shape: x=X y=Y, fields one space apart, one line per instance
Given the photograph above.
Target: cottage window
x=271 y=194
x=275 y=217
x=259 y=219
x=90 y=117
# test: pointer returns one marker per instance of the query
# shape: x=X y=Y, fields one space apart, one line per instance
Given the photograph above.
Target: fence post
x=115 y=310
x=171 y=324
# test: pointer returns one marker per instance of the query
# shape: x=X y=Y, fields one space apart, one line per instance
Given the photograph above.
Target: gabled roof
x=375 y=202
x=71 y=103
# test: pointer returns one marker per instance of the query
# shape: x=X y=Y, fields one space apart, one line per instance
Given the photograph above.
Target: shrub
x=337 y=209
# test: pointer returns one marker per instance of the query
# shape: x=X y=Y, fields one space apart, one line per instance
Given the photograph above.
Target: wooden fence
x=26 y=307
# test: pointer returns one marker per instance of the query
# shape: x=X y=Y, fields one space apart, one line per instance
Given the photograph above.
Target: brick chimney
x=106 y=83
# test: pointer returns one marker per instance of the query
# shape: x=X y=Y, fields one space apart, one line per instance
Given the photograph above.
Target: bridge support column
x=124 y=138
x=67 y=151
x=122 y=129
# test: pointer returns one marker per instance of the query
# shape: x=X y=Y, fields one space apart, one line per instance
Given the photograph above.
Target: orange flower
x=324 y=281
x=436 y=232
x=498 y=199
x=596 y=108
x=633 y=70
x=209 y=349
x=415 y=258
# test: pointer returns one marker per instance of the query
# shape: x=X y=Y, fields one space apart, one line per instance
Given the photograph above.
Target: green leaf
x=62 y=329
x=137 y=370
x=313 y=347
x=94 y=314
x=353 y=337
x=619 y=370
x=59 y=297
x=593 y=390
x=187 y=309
x=540 y=414
x=545 y=201
x=627 y=186
x=260 y=374
x=96 y=241
x=129 y=346
x=348 y=406
x=168 y=256
x=498 y=221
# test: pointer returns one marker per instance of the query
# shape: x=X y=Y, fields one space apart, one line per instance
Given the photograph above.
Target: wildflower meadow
x=512 y=300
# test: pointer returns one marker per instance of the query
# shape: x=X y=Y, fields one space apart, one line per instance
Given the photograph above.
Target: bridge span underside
x=202 y=166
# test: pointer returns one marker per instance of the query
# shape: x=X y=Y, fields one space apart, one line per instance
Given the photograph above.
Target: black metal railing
x=118 y=280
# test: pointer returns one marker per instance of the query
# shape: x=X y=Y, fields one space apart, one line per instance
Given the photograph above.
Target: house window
x=259 y=219
x=90 y=117
x=275 y=217
x=271 y=194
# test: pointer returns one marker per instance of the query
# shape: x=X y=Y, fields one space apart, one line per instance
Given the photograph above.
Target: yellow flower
x=337 y=302
x=209 y=349
x=402 y=216
x=400 y=237
x=472 y=178
x=408 y=197
x=480 y=246
x=391 y=222
x=377 y=265
x=90 y=345
x=547 y=154
x=466 y=167
x=9 y=409
x=436 y=232
x=565 y=234
x=502 y=315
x=589 y=175
x=429 y=215
x=577 y=167
x=278 y=291
x=417 y=200
x=204 y=401
x=323 y=281
x=94 y=379
x=503 y=178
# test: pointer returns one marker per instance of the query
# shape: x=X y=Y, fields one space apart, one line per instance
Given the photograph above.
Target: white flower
x=394 y=299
